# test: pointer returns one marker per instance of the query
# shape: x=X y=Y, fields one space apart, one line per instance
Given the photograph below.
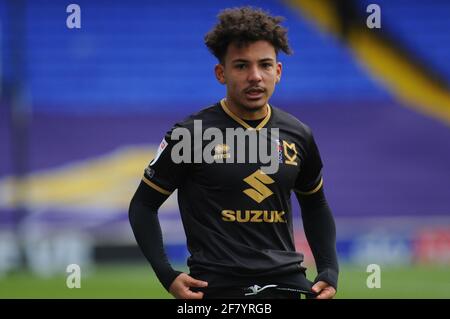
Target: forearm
x=147 y=231
x=320 y=231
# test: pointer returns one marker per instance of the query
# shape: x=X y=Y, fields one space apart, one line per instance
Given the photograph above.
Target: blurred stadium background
x=82 y=111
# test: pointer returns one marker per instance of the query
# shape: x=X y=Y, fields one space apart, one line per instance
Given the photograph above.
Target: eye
x=267 y=65
x=240 y=66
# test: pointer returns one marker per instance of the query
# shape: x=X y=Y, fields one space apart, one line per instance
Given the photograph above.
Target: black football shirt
x=237 y=218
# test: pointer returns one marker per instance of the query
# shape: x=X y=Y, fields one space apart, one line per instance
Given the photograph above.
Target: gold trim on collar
x=223 y=103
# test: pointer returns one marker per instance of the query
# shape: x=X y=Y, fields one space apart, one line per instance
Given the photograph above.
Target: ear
x=220 y=73
x=279 y=69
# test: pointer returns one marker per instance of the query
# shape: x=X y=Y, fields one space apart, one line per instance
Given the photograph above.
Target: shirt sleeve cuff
x=330 y=276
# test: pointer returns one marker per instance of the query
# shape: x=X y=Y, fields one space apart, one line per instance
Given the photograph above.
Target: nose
x=254 y=74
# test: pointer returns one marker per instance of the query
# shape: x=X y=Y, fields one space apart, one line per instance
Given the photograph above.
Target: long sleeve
x=320 y=231
x=143 y=215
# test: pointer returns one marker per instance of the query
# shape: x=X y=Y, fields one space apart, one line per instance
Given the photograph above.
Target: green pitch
x=139 y=282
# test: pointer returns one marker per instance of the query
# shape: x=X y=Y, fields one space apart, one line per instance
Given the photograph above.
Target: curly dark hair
x=245 y=25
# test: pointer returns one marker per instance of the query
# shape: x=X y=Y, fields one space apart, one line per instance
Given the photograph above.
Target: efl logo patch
x=161 y=148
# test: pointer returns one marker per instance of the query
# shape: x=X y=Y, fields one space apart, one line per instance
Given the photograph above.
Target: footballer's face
x=250 y=73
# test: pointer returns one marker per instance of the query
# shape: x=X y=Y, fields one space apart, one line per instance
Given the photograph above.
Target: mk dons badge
x=290 y=153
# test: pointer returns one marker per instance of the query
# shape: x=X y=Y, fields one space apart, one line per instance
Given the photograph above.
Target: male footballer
x=235 y=165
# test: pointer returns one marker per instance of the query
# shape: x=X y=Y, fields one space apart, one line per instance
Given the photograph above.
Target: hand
x=324 y=290
x=180 y=287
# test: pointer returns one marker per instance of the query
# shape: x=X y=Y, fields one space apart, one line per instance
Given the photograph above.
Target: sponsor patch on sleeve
x=149 y=172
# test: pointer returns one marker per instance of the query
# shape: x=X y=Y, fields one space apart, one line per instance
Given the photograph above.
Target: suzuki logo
x=258 y=181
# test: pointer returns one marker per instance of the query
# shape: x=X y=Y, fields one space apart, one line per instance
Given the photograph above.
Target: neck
x=247 y=114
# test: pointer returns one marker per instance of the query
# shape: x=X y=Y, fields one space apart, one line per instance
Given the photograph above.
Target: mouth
x=254 y=93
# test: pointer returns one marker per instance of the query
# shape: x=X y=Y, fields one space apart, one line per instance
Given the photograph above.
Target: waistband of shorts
x=254 y=290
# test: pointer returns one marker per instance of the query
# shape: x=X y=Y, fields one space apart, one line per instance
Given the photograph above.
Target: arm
x=320 y=231
x=143 y=215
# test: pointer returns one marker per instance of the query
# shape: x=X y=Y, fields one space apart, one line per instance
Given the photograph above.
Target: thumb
x=318 y=286
x=196 y=283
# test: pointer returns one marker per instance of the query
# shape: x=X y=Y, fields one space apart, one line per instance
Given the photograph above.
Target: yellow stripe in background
x=324 y=14
x=401 y=76
x=106 y=182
